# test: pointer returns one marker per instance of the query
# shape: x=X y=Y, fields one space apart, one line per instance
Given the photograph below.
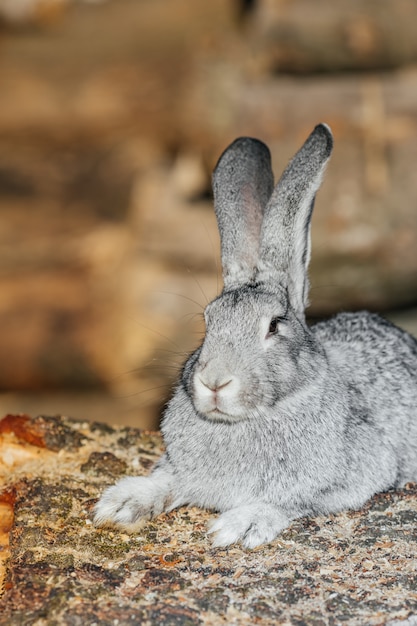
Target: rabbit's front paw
x=131 y=500
x=252 y=524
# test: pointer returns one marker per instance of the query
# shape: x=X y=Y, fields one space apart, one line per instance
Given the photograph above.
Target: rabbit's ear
x=285 y=238
x=242 y=185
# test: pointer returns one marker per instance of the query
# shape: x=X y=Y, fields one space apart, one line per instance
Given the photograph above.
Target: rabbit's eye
x=273 y=326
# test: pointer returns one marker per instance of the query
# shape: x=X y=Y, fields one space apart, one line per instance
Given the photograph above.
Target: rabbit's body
x=364 y=432
x=378 y=363
x=273 y=420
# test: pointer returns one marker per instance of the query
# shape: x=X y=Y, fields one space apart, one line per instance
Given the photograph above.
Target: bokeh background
x=112 y=116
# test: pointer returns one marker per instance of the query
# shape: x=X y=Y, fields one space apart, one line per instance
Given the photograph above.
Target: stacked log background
x=112 y=116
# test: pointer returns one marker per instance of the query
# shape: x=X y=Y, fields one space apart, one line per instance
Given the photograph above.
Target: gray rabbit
x=272 y=420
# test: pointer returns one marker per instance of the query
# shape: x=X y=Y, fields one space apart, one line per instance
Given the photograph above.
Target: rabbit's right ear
x=285 y=238
x=242 y=185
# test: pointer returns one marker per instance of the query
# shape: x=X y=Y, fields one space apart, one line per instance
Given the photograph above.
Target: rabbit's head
x=258 y=349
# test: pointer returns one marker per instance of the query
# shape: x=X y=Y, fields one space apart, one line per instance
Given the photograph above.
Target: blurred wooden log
x=299 y=36
x=106 y=148
x=63 y=300
x=351 y=568
x=107 y=68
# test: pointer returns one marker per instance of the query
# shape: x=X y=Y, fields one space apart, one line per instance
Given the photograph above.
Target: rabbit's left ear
x=242 y=185
x=284 y=252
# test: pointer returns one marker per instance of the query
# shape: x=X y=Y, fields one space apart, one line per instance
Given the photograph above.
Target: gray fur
x=270 y=424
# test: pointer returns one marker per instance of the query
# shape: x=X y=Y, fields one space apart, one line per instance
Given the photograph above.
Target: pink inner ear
x=253 y=214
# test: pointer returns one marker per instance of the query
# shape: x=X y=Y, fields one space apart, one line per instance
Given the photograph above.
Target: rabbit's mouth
x=219 y=412
x=216 y=415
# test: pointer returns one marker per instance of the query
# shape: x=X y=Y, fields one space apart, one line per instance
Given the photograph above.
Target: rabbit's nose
x=215 y=393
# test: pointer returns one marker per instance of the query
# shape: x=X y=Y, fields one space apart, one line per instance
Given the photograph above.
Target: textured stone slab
x=355 y=568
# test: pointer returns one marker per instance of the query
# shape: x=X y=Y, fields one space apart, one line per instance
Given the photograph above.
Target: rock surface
x=355 y=568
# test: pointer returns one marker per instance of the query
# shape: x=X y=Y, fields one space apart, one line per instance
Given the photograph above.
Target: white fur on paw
x=257 y=534
x=228 y=528
x=253 y=525
x=130 y=501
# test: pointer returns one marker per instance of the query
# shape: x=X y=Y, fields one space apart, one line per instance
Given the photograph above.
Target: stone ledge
x=355 y=568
